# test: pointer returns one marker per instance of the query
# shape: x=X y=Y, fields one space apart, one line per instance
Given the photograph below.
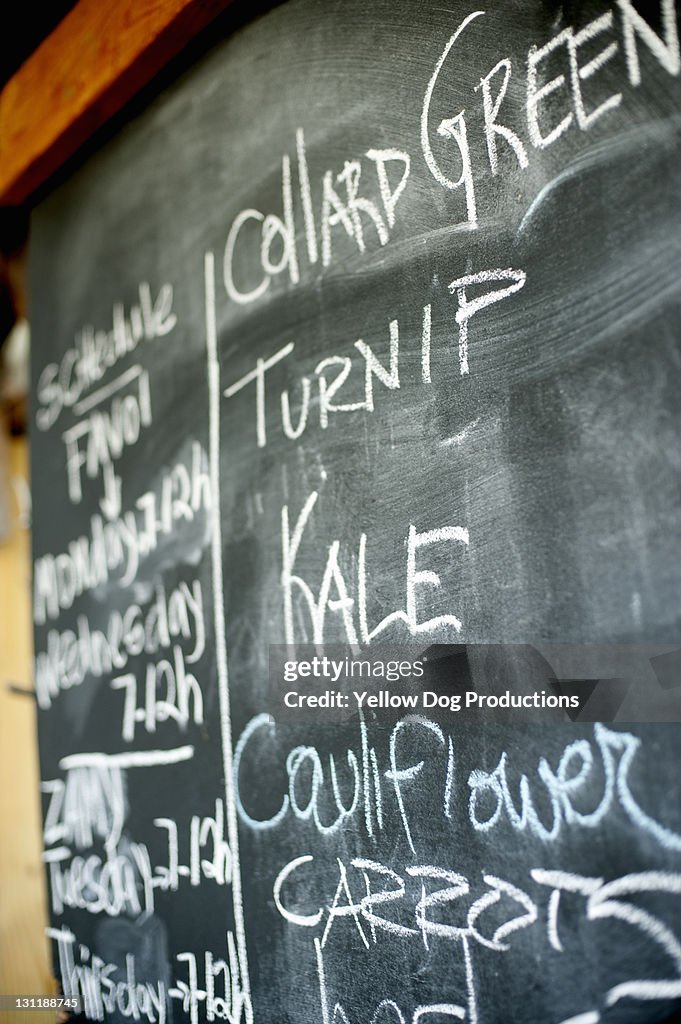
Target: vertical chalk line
x=219 y=611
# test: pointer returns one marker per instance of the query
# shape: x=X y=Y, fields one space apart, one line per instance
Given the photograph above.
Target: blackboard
x=361 y=341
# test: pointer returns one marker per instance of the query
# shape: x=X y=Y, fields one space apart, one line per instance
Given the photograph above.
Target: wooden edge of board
x=95 y=61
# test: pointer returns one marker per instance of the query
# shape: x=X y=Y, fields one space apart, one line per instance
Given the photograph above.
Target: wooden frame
x=95 y=61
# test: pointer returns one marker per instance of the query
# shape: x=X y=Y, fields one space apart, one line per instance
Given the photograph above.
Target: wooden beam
x=95 y=61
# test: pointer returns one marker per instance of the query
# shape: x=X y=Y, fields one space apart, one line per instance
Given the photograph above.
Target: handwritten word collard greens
x=364 y=332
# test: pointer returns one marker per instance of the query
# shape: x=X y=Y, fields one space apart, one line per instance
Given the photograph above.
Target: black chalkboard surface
x=362 y=342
